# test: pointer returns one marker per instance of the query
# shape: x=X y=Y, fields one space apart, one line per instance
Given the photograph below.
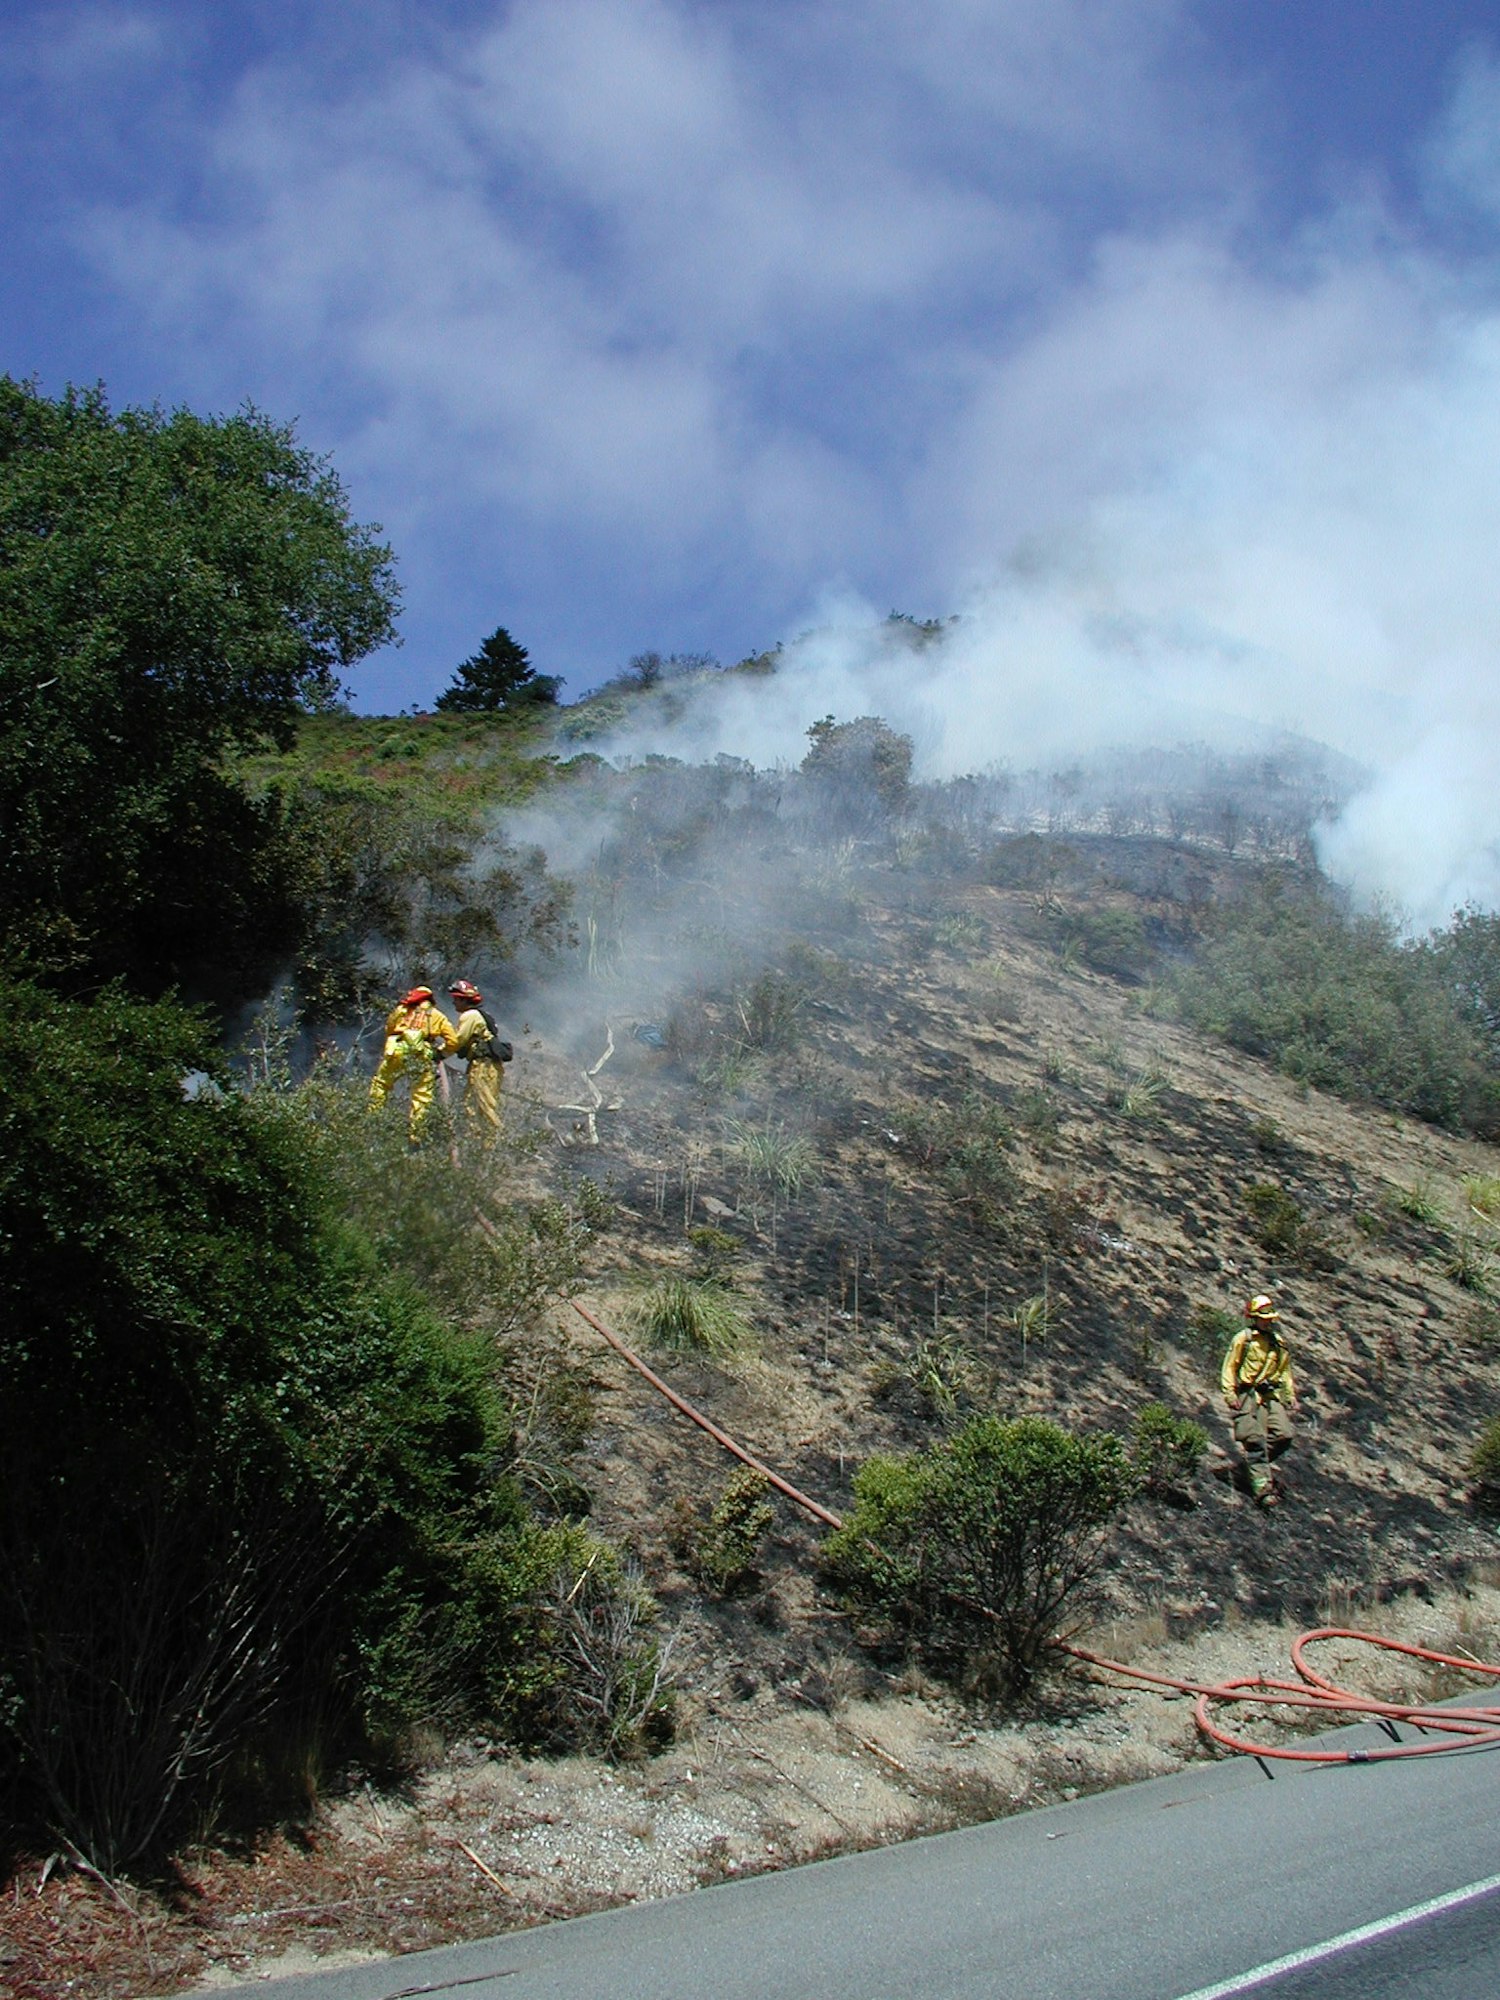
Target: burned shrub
x=1484 y=1469
x=859 y=772
x=616 y=1696
x=723 y=1552
x=1166 y=1450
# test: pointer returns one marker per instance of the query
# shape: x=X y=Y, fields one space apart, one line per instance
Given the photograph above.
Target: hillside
x=962 y=1124
x=910 y=1094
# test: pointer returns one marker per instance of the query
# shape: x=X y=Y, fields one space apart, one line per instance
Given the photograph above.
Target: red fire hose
x=704 y=1423
x=1466 y=1728
x=1471 y=1728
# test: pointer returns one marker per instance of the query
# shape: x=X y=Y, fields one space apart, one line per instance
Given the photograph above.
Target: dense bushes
x=979 y=1545
x=1340 y=1002
x=253 y=1491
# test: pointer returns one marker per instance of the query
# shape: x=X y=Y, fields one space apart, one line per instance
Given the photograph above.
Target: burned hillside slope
x=947 y=1165
x=907 y=1111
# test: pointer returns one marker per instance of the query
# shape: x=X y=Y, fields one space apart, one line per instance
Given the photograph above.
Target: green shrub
x=977 y=1547
x=1482 y=1192
x=1032 y=1319
x=959 y=931
x=1419 y=1201
x=779 y=1161
x=1468 y=1263
x=1110 y=941
x=1268 y=1137
x=691 y=1314
x=999 y=1000
x=940 y=1369
x=1039 y=1115
x=1280 y=1227
x=769 y=1011
x=1138 y=1094
x=1480 y=1326
x=715 y=1249
x=1166 y=1450
x=964 y=1147
x=1030 y=861
x=818 y=973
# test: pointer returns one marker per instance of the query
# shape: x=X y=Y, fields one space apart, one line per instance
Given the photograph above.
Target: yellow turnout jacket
x=1257 y=1361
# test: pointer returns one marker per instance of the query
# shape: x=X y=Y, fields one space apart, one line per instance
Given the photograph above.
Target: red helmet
x=416 y=996
x=465 y=989
x=1261 y=1308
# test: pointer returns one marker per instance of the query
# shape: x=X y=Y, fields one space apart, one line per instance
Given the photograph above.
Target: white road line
x=1314 y=1953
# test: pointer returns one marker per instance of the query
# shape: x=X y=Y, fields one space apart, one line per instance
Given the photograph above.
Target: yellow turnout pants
x=482 y=1101
x=401 y=1058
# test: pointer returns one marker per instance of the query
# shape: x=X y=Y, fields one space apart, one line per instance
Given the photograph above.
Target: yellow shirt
x=473 y=1037
x=1256 y=1360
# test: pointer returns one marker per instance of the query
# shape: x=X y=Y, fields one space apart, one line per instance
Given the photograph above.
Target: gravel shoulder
x=484 y=1843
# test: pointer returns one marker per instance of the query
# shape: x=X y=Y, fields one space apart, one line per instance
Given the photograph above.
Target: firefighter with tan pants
x=417 y=1037
x=479 y=1043
x=1258 y=1387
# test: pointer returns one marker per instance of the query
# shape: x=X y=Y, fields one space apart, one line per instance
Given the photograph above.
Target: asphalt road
x=1180 y=1887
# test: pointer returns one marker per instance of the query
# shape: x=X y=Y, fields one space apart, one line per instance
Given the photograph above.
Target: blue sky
x=674 y=323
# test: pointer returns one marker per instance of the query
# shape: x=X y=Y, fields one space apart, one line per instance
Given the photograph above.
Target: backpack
x=498 y=1050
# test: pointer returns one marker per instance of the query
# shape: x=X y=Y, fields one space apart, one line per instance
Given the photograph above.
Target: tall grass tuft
x=781 y=1162
x=691 y=1315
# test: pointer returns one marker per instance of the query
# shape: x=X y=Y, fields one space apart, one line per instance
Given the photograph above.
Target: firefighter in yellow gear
x=1258 y=1387
x=479 y=1043
x=417 y=1037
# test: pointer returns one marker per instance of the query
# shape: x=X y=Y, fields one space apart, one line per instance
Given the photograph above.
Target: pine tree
x=499 y=675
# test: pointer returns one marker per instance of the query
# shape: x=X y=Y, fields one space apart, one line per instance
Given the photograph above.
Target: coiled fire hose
x=1469 y=1728
x=1475 y=1727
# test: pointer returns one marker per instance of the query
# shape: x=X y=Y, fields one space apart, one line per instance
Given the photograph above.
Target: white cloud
x=633 y=265
x=784 y=296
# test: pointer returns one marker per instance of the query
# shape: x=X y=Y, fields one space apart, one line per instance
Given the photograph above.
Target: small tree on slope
x=978 y=1545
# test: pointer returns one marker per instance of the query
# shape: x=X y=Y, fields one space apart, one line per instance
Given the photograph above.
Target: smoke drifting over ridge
x=642 y=323
x=1320 y=565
